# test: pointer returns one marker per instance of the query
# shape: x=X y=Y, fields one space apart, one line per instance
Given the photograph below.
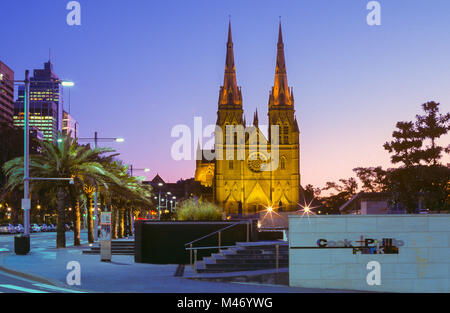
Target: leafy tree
x=62 y=159
x=432 y=126
x=415 y=184
x=373 y=179
x=339 y=194
x=406 y=144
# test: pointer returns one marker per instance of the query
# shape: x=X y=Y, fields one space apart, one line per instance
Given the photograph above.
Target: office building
x=6 y=94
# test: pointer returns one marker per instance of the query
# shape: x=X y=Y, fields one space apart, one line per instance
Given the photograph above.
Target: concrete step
x=246 y=257
x=122 y=247
x=222 y=269
x=112 y=252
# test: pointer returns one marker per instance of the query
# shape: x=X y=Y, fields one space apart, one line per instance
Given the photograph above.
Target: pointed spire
x=230 y=39
x=280 y=92
x=230 y=93
x=280 y=35
x=255 y=118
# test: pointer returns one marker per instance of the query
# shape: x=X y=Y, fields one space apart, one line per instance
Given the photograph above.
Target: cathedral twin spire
x=230 y=93
x=280 y=95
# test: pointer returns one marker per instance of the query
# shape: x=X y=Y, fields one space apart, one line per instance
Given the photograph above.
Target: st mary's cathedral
x=239 y=185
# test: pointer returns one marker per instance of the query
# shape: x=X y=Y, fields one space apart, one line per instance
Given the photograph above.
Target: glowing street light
x=138 y=169
x=66 y=83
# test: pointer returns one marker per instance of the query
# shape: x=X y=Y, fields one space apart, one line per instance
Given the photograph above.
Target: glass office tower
x=46 y=103
x=6 y=94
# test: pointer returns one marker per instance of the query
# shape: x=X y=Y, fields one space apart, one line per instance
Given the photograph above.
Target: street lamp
x=26 y=201
x=66 y=83
x=138 y=169
x=159 y=201
x=96 y=139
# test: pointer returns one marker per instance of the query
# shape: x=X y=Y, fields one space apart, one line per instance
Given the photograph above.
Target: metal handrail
x=217 y=231
x=207 y=248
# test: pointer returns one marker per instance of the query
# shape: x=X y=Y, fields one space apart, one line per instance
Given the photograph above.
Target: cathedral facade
x=250 y=172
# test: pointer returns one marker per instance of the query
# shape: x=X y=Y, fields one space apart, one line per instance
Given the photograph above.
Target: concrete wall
x=421 y=265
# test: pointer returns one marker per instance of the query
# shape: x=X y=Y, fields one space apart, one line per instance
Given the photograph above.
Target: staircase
x=248 y=256
x=121 y=247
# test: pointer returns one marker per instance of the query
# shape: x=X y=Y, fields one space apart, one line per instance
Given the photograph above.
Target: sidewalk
x=122 y=274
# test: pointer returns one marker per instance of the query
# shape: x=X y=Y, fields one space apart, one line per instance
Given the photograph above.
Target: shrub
x=190 y=210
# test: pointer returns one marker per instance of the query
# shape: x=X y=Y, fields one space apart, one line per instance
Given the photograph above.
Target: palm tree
x=62 y=159
x=124 y=196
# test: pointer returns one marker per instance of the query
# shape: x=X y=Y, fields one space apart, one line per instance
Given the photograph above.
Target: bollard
x=220 y=239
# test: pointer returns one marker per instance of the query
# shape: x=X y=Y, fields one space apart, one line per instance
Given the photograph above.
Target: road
x=39 y=241
x=14 y=284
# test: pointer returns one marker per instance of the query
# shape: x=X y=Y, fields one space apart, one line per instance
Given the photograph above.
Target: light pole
x=26 y=201
x=175 y=201
x=96 y=139
x=159 y=201
x=138 y=169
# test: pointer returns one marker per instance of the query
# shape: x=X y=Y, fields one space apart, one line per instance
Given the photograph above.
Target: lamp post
x=26 y=201
x=96 y=139
x=138 y=169
x=159 y=201
x=175 y=201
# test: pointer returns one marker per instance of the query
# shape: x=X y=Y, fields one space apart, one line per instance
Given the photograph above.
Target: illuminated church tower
x=239 y=185
x=286 y=179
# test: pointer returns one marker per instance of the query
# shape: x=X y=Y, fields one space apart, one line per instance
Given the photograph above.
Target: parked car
x=35 y=228
x=19 y=228
x=7 y=229
x=44 y=227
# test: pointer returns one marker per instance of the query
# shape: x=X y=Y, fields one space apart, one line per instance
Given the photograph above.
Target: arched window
x=283 y=163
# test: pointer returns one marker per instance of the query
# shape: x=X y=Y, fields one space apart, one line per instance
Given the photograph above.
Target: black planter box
x=164 y=242
x=22 y=245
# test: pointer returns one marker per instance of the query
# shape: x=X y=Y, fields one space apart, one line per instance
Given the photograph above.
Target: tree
x=373 y=179
x=432 y=126
x=339 y=194
x=406 y=144
x=416 y=185
x=61 y=159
